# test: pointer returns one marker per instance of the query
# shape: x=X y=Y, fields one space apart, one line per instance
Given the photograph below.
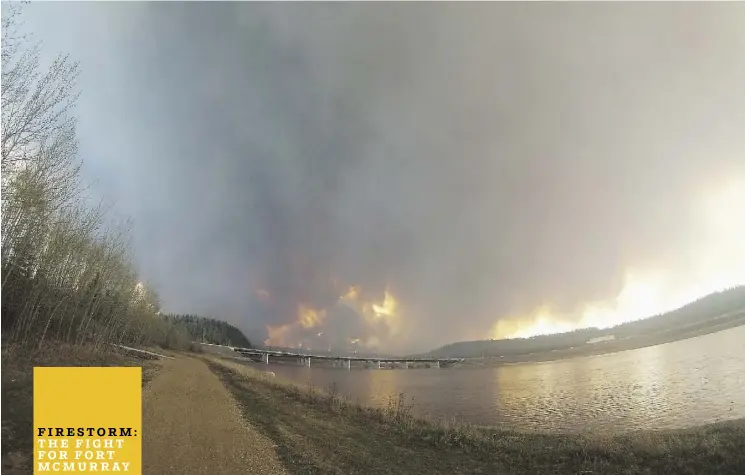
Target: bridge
x=305 y=359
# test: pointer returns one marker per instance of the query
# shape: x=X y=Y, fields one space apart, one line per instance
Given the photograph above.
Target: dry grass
x=321 y=432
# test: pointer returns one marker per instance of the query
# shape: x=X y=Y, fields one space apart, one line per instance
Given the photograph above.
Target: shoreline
x=275 y=375
x=321 y=432
x=289 y=413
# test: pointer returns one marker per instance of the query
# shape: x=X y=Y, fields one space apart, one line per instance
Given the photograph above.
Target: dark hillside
x=709 y=311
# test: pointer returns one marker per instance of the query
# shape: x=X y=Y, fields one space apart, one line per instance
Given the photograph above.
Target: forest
x=210 y=330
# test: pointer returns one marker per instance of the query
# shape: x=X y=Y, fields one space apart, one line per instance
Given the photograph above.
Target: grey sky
x=478 y=159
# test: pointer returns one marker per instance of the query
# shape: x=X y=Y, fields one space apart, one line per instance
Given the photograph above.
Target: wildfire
x=540 y=322
x=718 y=263
x=388 y=308
x=379 y=319
x=282 y=335
x=386 y=311
x=385 y=314
x=352 y=294
x=309 y=318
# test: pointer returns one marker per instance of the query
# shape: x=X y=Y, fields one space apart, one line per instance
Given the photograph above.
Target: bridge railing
x=258 y=351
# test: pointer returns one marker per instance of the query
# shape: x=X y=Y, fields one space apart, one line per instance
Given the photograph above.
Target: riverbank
x=322 y=433
x=203 y=413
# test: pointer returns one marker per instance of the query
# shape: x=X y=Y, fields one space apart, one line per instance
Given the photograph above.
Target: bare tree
x=66 y=273
x=35 y=105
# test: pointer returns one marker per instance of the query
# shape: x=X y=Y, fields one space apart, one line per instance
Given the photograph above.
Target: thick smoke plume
x=493 y=169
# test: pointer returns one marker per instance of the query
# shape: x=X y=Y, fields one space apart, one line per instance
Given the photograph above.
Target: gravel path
x=192 y=425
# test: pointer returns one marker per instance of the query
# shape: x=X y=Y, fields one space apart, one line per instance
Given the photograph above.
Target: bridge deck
x=258 y=352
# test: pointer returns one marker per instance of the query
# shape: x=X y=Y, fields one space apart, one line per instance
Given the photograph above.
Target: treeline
x=210 y=330
x=698 y=313
x=67 y=271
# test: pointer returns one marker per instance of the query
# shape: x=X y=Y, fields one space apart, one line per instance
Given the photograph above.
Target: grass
x=17 y=390
x=319 y=432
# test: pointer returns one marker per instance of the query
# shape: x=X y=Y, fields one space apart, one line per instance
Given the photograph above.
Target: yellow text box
x=87 y=420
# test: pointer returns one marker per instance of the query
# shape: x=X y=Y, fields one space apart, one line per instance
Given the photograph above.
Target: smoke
x=494 y=169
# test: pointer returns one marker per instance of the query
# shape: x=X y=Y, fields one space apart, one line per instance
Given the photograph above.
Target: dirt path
x=194 y=426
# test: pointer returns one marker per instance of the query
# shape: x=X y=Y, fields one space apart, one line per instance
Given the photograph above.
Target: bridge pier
x=341 y=361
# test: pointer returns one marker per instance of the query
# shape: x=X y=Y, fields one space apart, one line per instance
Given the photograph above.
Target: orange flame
x=309 y=318
x=352 y=294
x=386 y=311
x=717 y=263
x=388 y=308
x=381 y=321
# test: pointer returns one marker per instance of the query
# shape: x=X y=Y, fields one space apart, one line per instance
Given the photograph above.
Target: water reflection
x=644 y=386
x=678 y=384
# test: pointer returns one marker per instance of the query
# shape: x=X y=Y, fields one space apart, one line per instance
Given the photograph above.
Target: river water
x=674 y=385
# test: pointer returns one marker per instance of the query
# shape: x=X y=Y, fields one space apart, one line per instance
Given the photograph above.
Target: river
x=674 y=385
